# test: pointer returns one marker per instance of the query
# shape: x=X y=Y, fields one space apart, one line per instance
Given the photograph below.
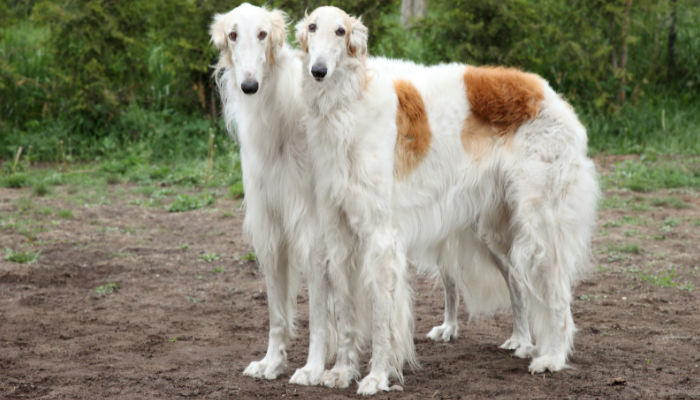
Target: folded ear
x=218 y=35
x=302 y=34
x=357 y=43
x=279 y=28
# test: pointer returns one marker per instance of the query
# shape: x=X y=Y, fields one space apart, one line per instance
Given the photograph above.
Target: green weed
x=23 y=257
x=662 y=279
x=625 y=248
x=210 y=257
x=218 y=270
x=14 y=181
x=236 y=190
x=184 y=246
x=672 y=202
x=65 y=214
x=107 y=288
x=41 y=189
x=249 y=257
x=184 y=203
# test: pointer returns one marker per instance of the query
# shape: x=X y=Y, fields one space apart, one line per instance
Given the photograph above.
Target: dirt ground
x=182 y=327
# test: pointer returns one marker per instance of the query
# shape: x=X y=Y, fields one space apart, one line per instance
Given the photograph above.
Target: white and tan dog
x=259 y=81
x=425 y=162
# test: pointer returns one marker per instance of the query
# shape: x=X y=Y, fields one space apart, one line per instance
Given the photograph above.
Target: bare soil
x=179 y=327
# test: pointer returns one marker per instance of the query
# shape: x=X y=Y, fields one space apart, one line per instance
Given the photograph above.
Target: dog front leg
x=278 y=287
x=321 y=333
x=392 y=319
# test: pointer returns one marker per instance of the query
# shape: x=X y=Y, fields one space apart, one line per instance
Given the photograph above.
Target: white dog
x=259 y=82
x=424 y=163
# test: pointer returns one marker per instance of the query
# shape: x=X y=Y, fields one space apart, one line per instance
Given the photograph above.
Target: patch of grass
x=218 y=270
x=183 y=203
x=14 y=181
x=662 y=279
x=671 y=222
x=625 y=248
x=107 y=288
x=672 y=202
x=227 y=214
x=236 y=190
x=113 y=179
x=184 y=246
x=22 y=257
x=617 y=203
x=633 y=232
x=249 y=257
x=650 y=176
x=41 y=189
x=65 y=214
x=46 y=211
x=210 y=257
x=173 y=340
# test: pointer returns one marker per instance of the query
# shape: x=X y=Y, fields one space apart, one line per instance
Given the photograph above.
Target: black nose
x=249 y=87
x=319 y=71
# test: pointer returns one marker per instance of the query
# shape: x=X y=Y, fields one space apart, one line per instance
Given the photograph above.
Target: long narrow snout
x=249 y=86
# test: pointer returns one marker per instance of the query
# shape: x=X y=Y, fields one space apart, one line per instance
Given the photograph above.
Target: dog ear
x=357 y=43
x=302 y=34
x=218 y=35
x=279 y=28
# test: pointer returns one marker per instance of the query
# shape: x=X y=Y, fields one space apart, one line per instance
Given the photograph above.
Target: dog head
x=248 y=38
x=330 y=36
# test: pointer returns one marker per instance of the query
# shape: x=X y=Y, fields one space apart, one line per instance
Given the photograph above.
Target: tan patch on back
x=414 y=135
x=501 y=100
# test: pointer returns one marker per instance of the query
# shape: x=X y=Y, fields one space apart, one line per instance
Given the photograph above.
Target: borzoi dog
x=259 y=81
x=420 y=162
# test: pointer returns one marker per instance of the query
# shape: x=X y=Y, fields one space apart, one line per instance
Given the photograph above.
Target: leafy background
x=113 y=77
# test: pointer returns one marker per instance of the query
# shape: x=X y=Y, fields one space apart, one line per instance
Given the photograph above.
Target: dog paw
x=263 y=369
x=547 y=363
x=526 y=350
x=337 y=378
x=307 y=376
x=373 y=383
x=444 y=332
x=515 y=342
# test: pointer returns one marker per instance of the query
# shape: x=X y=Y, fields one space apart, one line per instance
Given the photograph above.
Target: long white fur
x=530 y=203
x=280 y=219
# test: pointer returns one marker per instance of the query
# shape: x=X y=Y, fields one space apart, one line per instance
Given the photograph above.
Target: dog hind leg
x=448 y=330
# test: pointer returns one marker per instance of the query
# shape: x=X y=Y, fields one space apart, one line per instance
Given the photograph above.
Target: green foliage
x=14 y=181
x=625 y=248
x=210 y=257
x=650 y=176
x=65 y=214
x=41 y=189
x=184 y=203
x=237 y=190
x=24 y=257
x=109 y=287
x=249 y=257
x=662 y=279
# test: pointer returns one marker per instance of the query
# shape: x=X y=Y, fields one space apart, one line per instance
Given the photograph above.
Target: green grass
x=625 y=248
x=249 y=257
x=210 y=257
x=218 y=270
x=65 y=214
x=649 y=175
x=14 y=181
x=107 y=288
x=663 y=278
x=236 y=190
x=672 y=202
x=183 y=203
x=22 y=257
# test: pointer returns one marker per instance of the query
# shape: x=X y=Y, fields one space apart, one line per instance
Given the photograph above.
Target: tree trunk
x=411 y=9
x=623 y=50
x=672 y=40
x=213 y=101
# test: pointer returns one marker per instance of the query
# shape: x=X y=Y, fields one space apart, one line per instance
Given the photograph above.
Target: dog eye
x=262 y=35
x=232 y=36
x=312 y=28
x=340 y=32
